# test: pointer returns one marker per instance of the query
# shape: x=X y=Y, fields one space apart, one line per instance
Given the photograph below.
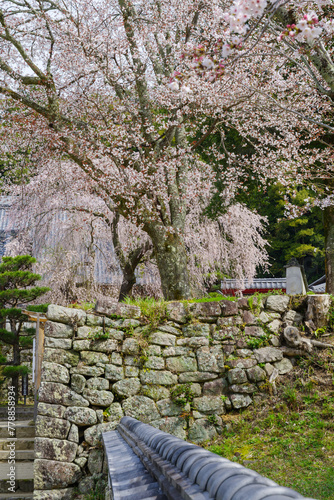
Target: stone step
x=24 y=473
x=20 y=444
x=23 y=486
x=21 y=412
x=17 y=496
x=19 y=455
x=22 y=429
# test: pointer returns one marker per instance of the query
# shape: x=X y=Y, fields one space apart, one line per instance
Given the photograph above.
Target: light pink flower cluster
x=240 y=13
x=306 y=30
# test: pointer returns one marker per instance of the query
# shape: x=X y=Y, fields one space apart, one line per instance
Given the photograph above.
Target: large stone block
x=228 y=307
x=226 y=333
x=275 y=325
x=177 y=311
x=177 y=351
x=155 y=392
x=110 y=308
x=209 y=359
x=93 y=320
x=93 y=435
x=237 y=376
x=163 y=339
x=51 y=427
x=131 y=371
x=284 y=366
x=106 y=346
x=244 y=388
x=127 y=388
x=115 y=412
x=209 y=404
x=254 y=331
x=49 y=474
x=95 y=461
x=205 y=309
x=241 y=363
x=81 y=416
x=268 y=354
x=229 y=321
x=114 y=372
x=130 y=346
x=67 y=315
x=89 y=371
x=73 y=435
x=58 y=330
x=57 y=411
x=56 y=343
x=215 y=387
x=168 y=408
x=181 y=364
x=169 y=329
x=78 y=382
x=240 y=401
x=196 y=377
x=54 y=393
x=53 y=372
x=158 y=377
x=278 y=303
x=98 y=398
x=100 y=384
x=140 y=407
x=173 y=425
x=256 y=374
x=93 y=358
x=155 y=363
x=196 y=330
x=201 y=431
x=193 y=342
x=55 y=449
x=61 y=356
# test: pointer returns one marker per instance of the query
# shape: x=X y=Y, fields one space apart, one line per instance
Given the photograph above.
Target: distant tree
x=17 y=286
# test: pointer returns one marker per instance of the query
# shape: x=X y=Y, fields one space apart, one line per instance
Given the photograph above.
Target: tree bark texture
x=329 y=248
x=171 y=256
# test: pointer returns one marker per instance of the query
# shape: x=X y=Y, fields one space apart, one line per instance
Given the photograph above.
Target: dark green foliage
x=17 y=287
x=41 y=308
x=301 y=237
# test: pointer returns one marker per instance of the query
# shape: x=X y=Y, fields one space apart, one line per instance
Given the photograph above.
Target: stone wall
x=203 y=360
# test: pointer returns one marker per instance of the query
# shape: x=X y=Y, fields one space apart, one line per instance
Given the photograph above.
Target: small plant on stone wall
x=153 y=311
x=212 y=419
x=182 y=395
x=254 y=302
x=99 y=335
x=256 y=342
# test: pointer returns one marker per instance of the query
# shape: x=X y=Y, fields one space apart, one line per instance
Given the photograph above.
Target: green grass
x=291 y=442
x=41 y=308
x=154 y=311
x=213 y=297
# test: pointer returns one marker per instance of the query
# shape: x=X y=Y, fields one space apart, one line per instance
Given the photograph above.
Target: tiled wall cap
x=257 y=492
x=229 y=487
x=222 y=473
x=209 y=469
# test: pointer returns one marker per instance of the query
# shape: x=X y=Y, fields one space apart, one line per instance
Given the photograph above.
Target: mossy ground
x=290 y=437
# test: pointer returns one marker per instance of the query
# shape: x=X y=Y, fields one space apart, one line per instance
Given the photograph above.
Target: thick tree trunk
x=129 y=280
x=171 y=257
x=329 y=248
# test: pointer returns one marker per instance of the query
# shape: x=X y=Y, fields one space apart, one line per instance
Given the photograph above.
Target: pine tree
x=16 y=288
